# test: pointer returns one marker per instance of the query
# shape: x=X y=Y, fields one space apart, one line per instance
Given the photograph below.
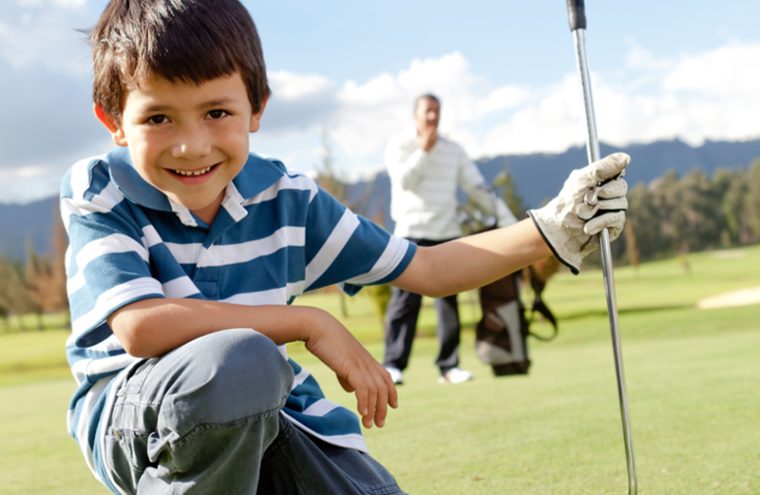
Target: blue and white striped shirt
x=128 y=242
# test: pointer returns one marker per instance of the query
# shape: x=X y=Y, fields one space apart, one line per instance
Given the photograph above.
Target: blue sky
x=350 y=70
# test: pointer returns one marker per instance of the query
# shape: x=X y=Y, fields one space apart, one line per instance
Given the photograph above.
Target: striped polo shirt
x=276 y=236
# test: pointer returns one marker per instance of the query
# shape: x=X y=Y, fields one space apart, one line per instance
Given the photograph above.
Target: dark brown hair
x=191 y=41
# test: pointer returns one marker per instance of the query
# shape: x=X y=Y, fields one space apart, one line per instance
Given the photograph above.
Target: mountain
x=540 y=176
x=21 y=224
x=537 y=176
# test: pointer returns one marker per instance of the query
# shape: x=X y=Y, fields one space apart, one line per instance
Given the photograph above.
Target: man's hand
x=427 y=137
x=355 y=367
x=592 y=199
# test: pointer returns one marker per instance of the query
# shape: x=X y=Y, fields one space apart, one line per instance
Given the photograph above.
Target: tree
x=503 y=180
x=327 y=174
x=327 y=178
x=631 y=246
x=57 y=297
x=751 y=207
x=5 y=287
x=699 y=212
x=645 y=222
x=665 y=201
x=731 y=189
x=13 y=293
x=36 y=274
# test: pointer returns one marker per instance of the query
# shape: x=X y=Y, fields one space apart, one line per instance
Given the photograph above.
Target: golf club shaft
x=577 y=19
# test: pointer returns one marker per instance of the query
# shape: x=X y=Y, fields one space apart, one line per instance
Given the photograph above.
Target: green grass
x=693 y=379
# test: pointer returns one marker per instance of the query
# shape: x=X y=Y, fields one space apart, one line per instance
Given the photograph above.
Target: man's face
x=427 y=114
x=188 y=140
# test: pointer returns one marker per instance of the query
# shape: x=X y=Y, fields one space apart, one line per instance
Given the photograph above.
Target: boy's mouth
x=194 y=173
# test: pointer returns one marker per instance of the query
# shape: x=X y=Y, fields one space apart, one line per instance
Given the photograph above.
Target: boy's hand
x=355 y=367
x=592 y=199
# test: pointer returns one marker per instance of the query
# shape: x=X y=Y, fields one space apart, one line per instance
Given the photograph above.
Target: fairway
x=693 y=380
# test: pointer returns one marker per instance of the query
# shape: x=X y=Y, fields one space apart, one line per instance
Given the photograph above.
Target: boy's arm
x=592 y=198
x=473 y=261
x=152 y=327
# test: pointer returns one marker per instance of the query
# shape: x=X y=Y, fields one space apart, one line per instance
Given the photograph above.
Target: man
x=425 y=170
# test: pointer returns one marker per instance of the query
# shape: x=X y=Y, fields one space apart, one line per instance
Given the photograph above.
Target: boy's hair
x=190 y=41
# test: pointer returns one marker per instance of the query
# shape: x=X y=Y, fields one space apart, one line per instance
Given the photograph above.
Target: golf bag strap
x=540 y=307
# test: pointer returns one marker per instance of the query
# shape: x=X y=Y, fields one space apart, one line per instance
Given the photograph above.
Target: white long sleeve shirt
x=424 y=187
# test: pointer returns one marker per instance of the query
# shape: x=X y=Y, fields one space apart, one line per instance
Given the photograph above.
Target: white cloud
x=697 y=96
x=66 y=4
x=40 y=37
x=31 y=182
x=291 y=86
x=731 y=72
x=694 y=96
x=70 y=4
x=30 y=171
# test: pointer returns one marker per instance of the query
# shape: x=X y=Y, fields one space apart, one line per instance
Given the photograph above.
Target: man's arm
x=406 y=166
x=152 y=327
x=472 y=182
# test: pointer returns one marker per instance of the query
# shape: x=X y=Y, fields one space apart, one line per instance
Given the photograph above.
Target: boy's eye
x=157 y=119
x=217 y=114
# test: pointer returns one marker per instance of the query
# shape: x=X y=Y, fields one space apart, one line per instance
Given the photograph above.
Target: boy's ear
x=256 y=117
x=112 y=124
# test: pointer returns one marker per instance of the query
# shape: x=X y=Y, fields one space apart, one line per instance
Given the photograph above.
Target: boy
x=185 y=251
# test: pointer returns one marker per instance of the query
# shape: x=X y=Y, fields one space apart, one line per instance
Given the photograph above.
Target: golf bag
x=501 y=335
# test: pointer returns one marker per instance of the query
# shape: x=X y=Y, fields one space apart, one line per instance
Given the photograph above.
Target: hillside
x=21 y=224
x=537 y=176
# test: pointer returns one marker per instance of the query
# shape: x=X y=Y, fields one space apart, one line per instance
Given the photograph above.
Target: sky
x=344 y=75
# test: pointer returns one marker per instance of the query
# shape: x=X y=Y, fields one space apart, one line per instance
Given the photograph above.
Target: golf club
x=577 y=19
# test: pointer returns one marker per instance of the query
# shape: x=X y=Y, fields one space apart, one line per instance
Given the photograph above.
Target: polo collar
x=257 y=175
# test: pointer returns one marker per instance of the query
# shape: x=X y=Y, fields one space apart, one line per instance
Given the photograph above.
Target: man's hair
x=189 y=41
x=426 y=96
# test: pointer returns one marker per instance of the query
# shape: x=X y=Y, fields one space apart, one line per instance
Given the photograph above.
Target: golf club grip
x=576 y=14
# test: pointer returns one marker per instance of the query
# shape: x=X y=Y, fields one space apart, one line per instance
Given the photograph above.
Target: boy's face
x=187 y=140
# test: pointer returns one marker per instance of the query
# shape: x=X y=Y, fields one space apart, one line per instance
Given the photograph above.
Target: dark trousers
x=401 y=326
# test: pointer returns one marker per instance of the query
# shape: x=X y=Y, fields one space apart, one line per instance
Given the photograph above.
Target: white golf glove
x=592 y=199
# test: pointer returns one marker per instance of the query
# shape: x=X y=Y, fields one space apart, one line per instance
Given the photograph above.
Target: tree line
x=669 y=216
x=37 y=285
x=675 y=215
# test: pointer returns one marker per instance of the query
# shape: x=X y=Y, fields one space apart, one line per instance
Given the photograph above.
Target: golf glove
x=592 y=199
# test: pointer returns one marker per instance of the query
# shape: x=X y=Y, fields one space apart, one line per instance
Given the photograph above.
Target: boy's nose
x=191 y=143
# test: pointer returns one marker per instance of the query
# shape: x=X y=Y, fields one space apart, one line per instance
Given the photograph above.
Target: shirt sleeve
x=406 y=162
x=345 y=248
x=472 y=182
x=107 y=261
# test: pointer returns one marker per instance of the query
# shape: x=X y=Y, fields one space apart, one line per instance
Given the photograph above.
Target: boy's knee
x=231 y=375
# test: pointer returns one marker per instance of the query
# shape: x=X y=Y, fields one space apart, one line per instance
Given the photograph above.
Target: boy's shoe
x=455 y=375
x=396 y=375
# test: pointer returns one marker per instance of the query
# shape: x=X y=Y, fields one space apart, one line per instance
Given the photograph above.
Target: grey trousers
x=206 y=418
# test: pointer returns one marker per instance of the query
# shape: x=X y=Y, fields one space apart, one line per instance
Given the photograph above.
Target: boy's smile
x=187 y=140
